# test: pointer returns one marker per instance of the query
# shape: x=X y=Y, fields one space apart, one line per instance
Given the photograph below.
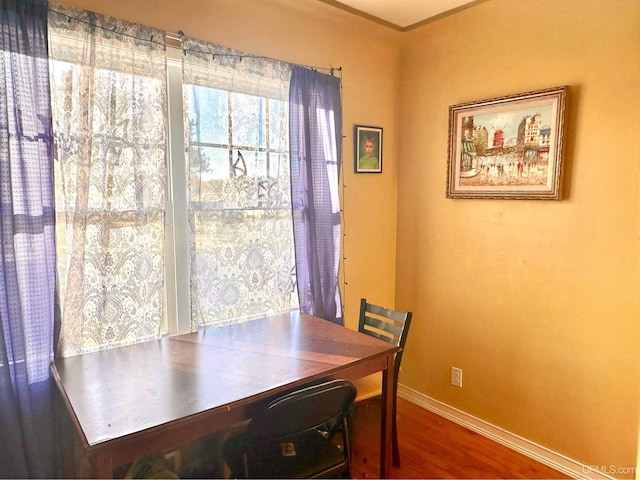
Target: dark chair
x=393 y=327
x=289 y=438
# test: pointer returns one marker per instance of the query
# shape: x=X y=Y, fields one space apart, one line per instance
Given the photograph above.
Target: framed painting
x=507 y=147
x=367 y=149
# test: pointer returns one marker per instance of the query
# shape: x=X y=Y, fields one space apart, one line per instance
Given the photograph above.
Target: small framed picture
x=367 y=149
x=508 y=147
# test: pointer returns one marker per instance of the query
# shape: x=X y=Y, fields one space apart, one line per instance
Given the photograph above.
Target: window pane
x=255 y=162
x=242 y=264
x=249 y=120
x=208 y=115
x=206 y=164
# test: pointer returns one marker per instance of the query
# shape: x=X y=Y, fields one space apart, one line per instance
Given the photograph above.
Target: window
x=172 y=183
x=239 y=200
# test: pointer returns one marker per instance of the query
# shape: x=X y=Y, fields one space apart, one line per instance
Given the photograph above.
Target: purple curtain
x=315 y=127
x=27 y=244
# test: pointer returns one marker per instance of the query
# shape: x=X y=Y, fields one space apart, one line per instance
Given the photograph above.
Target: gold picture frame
x=507 y=147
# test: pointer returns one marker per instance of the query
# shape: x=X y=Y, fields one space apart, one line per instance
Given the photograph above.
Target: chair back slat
x=379 y=336
x=386 y=312
x=389 y=331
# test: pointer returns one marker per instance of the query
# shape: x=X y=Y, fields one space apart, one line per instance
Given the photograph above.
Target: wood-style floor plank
x=434 y=447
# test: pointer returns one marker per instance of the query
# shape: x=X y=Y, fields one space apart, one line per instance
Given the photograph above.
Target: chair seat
x=306 y=455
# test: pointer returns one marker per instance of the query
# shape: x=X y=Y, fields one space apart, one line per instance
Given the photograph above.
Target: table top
x=119 y=392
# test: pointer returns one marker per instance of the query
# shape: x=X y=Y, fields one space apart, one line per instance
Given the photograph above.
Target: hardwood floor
x=433 y=447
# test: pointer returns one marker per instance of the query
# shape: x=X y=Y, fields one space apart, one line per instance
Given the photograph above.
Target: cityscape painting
x=507 y=147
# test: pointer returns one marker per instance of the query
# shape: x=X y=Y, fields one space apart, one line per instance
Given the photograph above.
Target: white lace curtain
x=108 y=86
x=236 y=133
x=109 y=102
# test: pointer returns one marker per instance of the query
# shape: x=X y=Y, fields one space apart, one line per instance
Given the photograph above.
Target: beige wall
x=537 y=302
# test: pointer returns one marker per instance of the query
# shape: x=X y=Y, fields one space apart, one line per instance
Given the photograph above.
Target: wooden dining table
x=150 y=397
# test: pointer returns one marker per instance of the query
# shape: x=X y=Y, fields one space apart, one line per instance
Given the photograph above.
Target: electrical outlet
x=456 y=377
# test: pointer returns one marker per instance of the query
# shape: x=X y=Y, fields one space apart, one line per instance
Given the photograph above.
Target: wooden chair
x=293 y=436
x=393 y=327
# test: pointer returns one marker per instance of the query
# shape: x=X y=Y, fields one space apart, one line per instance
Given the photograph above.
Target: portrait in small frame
x=367 y=149
x=508 y=147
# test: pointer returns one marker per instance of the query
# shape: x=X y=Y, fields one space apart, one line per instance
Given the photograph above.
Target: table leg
x=104 y=465
x=386 y=419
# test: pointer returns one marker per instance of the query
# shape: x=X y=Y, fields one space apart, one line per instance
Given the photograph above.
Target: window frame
x=177 y=274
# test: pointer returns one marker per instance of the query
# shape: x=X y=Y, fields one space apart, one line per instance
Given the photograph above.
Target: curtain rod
x=175 y=40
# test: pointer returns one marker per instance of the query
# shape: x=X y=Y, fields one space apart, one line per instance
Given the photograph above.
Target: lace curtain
x=108 y=88
x=236 y=133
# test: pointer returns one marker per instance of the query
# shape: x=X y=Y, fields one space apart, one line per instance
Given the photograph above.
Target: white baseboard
x=532 y=450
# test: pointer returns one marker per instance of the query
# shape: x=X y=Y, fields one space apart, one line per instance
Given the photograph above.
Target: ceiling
x=401 y=14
